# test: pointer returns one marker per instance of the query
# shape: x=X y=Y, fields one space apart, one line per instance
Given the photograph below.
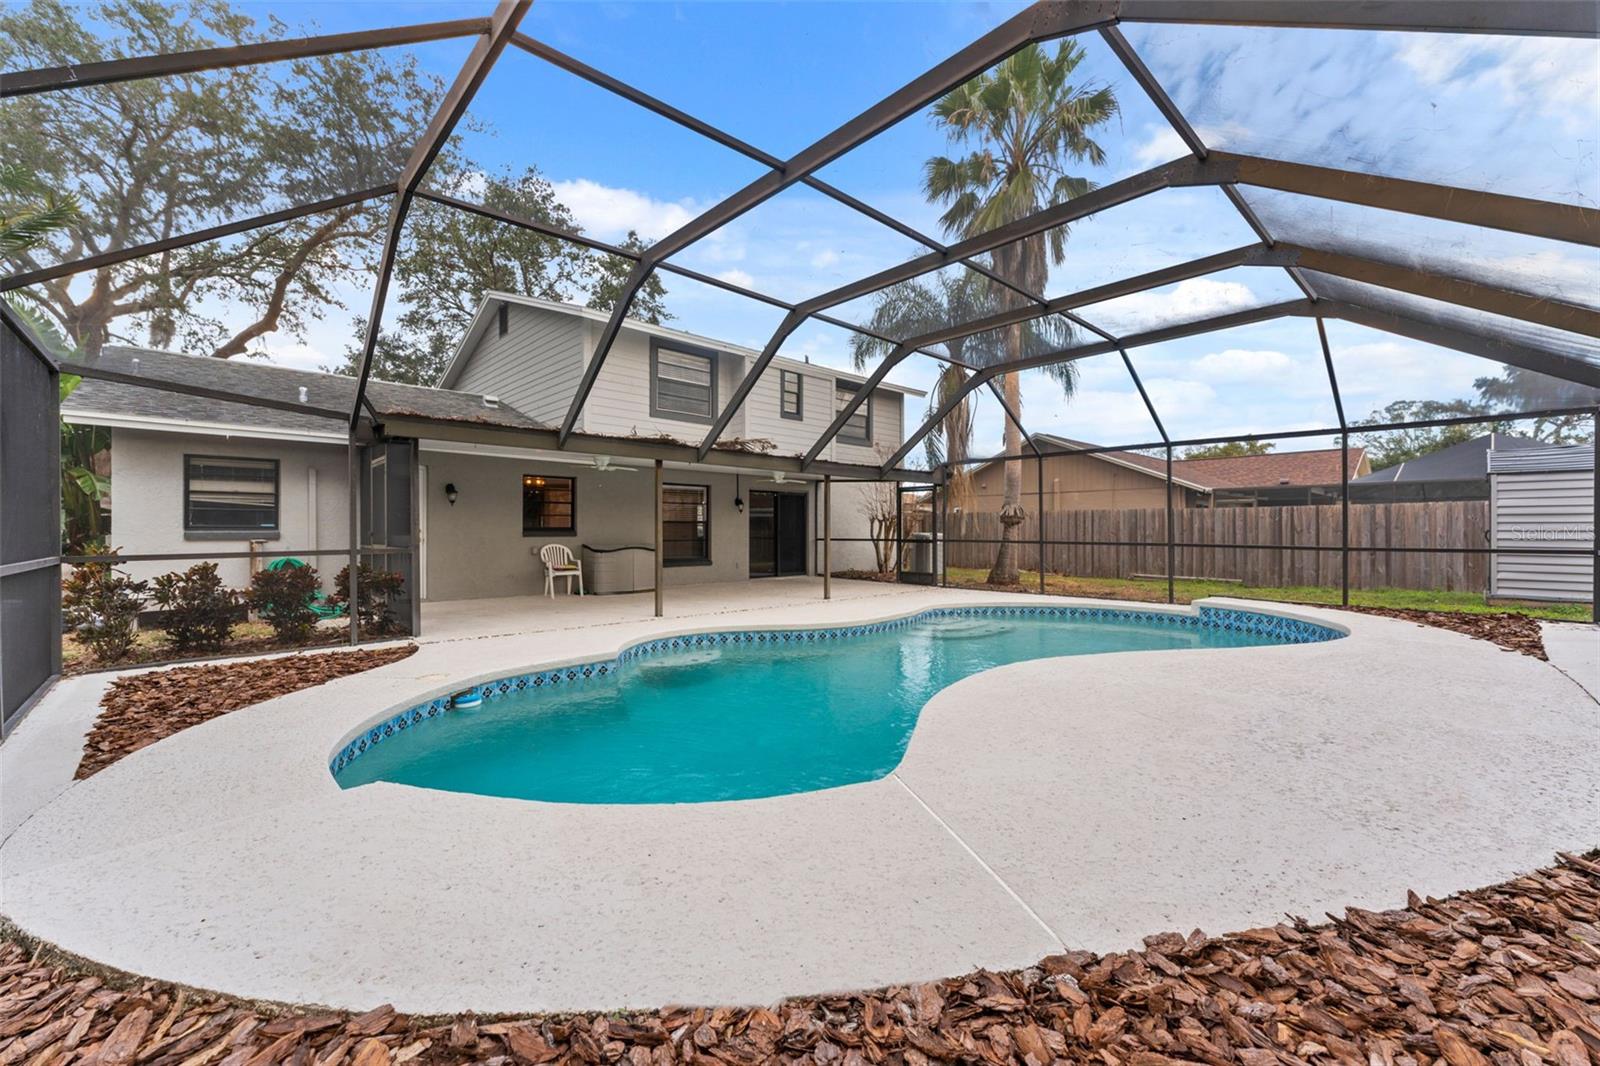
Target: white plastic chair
x=558 y=562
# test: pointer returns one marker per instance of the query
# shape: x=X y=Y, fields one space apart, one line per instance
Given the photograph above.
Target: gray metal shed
x=1543 y=499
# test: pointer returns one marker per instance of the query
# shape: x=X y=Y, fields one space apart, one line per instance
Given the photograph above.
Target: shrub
x=378 y=589
x=283 y=598
x=199 y=610
x=102 y=605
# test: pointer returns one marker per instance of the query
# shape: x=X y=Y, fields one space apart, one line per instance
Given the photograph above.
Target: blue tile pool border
x=1283 y=629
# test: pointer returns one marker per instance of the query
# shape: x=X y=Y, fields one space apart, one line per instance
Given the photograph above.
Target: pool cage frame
x=1043 y=21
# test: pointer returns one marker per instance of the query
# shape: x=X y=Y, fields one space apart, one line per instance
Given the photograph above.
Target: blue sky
x=1511 y=115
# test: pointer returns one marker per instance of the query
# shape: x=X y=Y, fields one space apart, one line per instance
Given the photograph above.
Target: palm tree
x=913 y=307
x=1026 y=124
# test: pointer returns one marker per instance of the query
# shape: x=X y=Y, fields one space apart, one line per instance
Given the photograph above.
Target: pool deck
x=1078 y=802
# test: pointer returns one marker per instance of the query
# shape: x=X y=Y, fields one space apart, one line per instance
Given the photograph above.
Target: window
x=505 y=319
x=792 y=403
x=223 y=493
x=685 y=525
x=683 y=383
x=549 y=505
x=858 y=428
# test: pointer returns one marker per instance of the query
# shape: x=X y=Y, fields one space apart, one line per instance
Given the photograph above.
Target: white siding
x=887 y=430
x=619 y=403
x=1548 y=509
x=534 y=367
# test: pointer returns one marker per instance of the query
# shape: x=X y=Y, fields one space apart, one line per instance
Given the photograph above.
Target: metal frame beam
x=1532 y=18
x=498 y=215
x=80 y=75
x=212 y=233
x=1574 y=318
x=1066 y=355
x=1041 y=21
x=1523 y=356
x=502 y=24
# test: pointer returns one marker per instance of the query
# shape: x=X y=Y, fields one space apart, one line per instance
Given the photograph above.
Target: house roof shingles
x=1320 y=466
x=1315 y=467
x=262 y=381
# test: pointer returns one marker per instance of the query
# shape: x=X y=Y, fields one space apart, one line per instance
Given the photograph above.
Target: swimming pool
x=746 y=714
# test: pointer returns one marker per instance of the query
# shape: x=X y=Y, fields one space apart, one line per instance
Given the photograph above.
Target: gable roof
x=323 y=393
x=1144 y=464
x=1467 y=461
x=1317 y=466
x=481 y=318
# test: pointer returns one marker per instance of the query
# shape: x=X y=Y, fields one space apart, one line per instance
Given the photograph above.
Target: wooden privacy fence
x=1274 y=532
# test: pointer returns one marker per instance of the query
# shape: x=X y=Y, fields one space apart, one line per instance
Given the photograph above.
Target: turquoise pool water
x=747 y=718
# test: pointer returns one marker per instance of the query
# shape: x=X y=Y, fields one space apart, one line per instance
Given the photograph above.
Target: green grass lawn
x=1155 y=591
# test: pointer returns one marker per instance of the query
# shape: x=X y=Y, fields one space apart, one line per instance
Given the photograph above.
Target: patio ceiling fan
x=603 y=464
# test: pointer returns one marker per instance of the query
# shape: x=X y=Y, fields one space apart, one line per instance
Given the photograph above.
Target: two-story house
x=198 y=473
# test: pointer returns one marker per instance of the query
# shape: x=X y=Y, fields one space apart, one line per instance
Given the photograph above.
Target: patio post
x=827 y=536
x=354 y=485
x=943 y=540
x=1344 y=518
x=1172 y=551
x=1038 y=460
x=660 y=538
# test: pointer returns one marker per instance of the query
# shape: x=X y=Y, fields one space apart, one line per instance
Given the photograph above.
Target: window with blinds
x=683 y=383
x=685 y=525
x=792 y=402
x=858 y=429
x=224 y=493
x=549 y=505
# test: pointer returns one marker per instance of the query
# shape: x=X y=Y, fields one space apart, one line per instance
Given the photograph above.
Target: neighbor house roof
x=1319 y=466
x=325 y=397
x=481 y=318
x=1467 y=461
x=1314 y=467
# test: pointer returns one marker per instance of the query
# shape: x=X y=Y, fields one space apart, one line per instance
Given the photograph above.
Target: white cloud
x=1162 y=145
x=609 y=213
x=1243 y=364
x=1185 y=301
x=1378 y=372
x=1549 y=74
x=737 y=277
x=825 y=258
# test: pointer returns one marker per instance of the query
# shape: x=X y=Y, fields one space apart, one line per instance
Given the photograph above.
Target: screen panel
x=1514 y=115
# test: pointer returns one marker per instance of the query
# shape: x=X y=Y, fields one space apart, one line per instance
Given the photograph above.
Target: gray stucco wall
x=147 y=500
x=476 y=548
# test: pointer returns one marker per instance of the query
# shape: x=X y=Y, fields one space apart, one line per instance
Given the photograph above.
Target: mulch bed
x=324 y=636
x=1514 y=632
x=145 y=708
x=1502 y=976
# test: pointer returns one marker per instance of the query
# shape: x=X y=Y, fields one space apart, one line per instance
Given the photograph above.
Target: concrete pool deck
x=1080 y=802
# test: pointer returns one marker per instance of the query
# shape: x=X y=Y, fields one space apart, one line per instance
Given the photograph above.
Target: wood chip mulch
x=1501 y=976
x=1514 y=632
x=142 y=709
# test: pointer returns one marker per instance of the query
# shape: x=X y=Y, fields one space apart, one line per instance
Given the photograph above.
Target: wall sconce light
x=738 y=497
x=450 y=492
